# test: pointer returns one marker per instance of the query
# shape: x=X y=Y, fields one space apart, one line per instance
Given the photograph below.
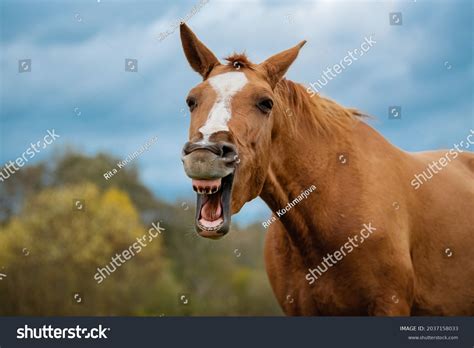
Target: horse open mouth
x=213 y=206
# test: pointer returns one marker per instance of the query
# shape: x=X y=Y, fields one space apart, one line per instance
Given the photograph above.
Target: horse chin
x=213 y=206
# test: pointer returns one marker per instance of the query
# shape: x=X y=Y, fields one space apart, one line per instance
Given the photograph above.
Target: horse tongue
x=211 y=210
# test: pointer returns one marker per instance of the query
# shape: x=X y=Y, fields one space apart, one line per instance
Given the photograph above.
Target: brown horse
x=350 y=234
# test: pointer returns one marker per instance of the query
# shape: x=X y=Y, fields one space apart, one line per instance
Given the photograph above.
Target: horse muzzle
x=211 y=167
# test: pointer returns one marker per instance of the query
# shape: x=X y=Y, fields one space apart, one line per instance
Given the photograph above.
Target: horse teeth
x=208 y=190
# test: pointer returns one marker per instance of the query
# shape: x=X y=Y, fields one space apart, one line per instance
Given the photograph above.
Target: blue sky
x=78 y=51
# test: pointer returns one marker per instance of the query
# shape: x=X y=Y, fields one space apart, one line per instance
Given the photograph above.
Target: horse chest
x=286 y=271
x=327 y=297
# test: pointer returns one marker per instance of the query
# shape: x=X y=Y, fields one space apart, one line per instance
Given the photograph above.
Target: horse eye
x=192 y=103
x=265 y=105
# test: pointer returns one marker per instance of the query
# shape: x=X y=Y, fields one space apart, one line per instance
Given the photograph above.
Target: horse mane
x=323 y=114
x=293 y=99
x=240 y=58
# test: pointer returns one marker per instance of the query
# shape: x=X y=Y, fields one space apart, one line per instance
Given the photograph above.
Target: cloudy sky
x=78 y=84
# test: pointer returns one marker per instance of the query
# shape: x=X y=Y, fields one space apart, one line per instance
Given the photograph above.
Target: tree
x=52 y=250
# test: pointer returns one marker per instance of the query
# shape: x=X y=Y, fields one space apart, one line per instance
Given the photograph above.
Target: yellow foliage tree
x=52 y=249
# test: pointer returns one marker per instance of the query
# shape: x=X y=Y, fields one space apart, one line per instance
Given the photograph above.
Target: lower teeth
x=210 y=228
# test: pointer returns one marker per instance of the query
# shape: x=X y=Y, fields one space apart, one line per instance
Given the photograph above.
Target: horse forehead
x=228 y=84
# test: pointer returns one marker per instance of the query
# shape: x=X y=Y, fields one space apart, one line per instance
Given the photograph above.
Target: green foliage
x=65 y=246
x=50 y=250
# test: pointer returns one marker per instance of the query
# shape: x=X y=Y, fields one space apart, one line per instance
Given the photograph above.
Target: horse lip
x=211 y=234
x=209 y=166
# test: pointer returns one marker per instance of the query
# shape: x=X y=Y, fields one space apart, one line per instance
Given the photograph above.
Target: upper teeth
x=206 y=190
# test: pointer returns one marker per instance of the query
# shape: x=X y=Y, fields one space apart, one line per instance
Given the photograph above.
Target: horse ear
x=201 y=59
x=276 y=66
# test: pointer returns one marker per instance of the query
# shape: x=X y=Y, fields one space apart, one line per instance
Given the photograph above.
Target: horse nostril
x=215 y=148
x=187 y=148
x=229 y=154
x=225 y=152
x=227 y=149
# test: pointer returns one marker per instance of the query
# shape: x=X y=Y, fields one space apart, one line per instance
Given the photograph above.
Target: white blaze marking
x=226 y=86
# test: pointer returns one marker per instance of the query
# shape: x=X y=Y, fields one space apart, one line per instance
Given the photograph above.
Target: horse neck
x=304 y=155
